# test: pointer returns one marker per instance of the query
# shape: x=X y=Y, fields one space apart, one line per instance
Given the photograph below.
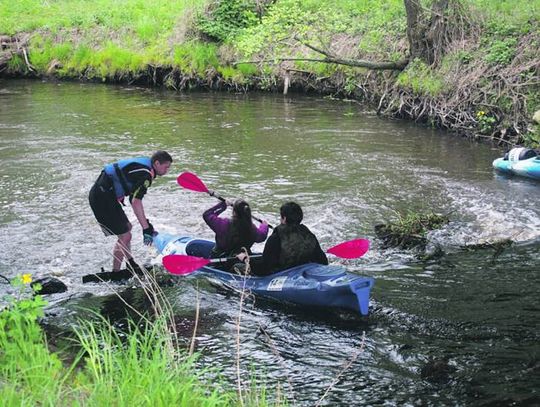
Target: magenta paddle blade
x=351 y=249
x=180 y=264
x=190 y=181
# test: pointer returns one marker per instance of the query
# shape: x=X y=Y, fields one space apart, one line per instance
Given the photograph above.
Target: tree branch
x=399 y=65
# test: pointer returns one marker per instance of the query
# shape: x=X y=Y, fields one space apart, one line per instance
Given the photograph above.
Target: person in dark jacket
x=129 y=177
x=232 y=234
x=291 y=244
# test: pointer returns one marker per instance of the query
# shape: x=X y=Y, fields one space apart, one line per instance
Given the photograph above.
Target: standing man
x=130 y=177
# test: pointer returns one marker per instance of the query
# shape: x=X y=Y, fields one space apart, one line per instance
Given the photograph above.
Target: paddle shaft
x=227 y=259
x=212 y=193
x=181 y=264
x=190 y=181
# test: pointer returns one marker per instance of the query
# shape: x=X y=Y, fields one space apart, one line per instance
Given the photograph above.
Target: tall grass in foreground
x=133 y=368
x=139 y=369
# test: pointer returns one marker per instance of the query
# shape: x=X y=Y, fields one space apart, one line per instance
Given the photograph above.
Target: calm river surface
x=349 y=170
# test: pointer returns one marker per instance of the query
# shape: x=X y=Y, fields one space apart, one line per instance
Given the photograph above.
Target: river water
x=478 y=311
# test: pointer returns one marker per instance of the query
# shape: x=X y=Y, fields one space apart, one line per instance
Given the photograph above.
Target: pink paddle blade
x=190 y=181
x=180 y=264
x=351 y=249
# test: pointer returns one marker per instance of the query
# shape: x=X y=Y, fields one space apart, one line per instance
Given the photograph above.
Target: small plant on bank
x=501 y=52
x=138 y=367
x=486 y=122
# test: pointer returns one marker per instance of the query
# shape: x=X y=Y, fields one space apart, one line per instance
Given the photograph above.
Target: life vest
x=121 y=184
x=297 y=245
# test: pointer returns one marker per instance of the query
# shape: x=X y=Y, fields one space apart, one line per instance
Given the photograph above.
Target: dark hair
x=241 y=233
x=292 y=213
x=161 y=156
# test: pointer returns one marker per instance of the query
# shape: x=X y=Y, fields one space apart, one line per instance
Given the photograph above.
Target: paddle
x=181 y=264
x=351 y=249
x=190 y=181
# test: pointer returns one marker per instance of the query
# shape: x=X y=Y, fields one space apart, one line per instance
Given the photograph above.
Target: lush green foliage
x=98 y=39
x=33 y=374
x=306 y=20
x=140 y=366
x=148 y=20
x=195 y=57
x=225 y=18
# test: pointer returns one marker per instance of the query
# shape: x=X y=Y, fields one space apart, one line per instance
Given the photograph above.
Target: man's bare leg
x=122 y=249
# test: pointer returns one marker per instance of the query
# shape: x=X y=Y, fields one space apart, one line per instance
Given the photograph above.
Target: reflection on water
x=475 y=310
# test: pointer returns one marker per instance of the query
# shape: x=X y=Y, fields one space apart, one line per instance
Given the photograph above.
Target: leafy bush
x=225 y=18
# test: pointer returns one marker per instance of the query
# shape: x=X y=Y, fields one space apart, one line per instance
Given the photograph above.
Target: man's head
x=161 y=161
x=291 y=213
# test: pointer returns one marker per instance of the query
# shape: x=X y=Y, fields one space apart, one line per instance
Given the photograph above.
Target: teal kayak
x=519 y=161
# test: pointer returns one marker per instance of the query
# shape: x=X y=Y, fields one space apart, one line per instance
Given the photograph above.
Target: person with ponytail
x=235 y=233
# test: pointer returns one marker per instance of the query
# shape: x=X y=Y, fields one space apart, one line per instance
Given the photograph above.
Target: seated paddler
x=291 y=244
x=234 y=233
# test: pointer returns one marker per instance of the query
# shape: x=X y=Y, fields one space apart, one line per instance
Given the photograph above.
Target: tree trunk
x=416 y=31
x=427 y=36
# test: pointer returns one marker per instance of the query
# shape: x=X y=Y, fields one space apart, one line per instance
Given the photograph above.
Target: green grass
x=421 y=79
x=141 y=368
x=98 y=39
x=147 y=19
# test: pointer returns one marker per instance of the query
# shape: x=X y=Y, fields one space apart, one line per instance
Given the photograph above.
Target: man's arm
x=138 y=209
x=318 y=255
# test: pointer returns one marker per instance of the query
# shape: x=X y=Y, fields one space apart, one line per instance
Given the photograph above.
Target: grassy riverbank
x=483 y=81
x=140 y=366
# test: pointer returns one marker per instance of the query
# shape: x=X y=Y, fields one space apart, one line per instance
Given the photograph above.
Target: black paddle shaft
x=213 y=193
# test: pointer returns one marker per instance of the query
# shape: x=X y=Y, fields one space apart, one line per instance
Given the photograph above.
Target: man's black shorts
x=107 y=210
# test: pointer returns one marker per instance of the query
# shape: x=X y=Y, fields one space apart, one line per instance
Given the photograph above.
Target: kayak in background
x=519 y=161
x=308 y=285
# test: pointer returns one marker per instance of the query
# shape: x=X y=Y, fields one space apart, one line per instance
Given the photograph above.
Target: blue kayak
x=519 y=161
x=308 y=285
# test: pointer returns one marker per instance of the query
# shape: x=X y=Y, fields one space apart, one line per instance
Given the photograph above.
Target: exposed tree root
x=14 y=46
